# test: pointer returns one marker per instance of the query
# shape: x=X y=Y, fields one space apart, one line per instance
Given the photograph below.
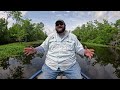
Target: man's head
x=60 y=26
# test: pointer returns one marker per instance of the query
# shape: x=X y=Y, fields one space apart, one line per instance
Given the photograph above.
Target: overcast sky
x=72 y=18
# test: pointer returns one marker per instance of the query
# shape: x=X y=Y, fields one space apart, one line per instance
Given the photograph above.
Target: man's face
x=60 y=27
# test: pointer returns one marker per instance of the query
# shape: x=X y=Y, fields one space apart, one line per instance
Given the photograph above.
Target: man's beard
x=61 y=31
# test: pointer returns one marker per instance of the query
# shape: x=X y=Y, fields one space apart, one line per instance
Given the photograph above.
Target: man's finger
x=31 y=47
x=90 y=57
x=92 y=53
x=28 y=48
x=92 y=50
x=28 y=53
x=25 y=50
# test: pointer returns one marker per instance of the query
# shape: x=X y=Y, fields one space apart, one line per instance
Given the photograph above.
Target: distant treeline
x=23 y=30
x=99 y=32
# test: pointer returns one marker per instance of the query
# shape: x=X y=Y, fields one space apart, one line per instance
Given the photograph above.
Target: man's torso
x=61 y=52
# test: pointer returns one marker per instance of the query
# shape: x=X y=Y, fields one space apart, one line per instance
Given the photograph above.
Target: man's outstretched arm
x=40 y=49
x=83 y=51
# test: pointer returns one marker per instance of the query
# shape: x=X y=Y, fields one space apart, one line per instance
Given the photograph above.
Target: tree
x=117 y=24
x=38 y=31
x=16 y=33
x=28 y=27
x=98 y=32
x=17 y=15
x=3 y=31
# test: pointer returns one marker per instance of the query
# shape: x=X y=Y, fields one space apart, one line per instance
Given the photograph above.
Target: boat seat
x=61 y=76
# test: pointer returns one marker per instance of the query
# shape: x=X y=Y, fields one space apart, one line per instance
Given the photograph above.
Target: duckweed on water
x=15 y=50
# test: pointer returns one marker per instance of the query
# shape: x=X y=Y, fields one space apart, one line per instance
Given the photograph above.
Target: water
x=20 y=69
x=105 y=64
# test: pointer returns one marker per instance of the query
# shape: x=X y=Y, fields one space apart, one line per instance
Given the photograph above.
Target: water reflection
x=16 y=73
x=104 y=65
x=4 y=63
x=20 y=67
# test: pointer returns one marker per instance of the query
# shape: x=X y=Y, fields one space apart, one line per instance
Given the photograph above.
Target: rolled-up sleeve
x=79 y=47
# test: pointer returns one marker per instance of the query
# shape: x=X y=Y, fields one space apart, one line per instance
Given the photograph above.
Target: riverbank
x=15 y=49
x=99 y=45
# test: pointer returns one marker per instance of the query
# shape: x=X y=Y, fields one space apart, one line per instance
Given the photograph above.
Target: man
x=61 y=47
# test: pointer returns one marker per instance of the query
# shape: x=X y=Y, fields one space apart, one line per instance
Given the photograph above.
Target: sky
x=71 y=18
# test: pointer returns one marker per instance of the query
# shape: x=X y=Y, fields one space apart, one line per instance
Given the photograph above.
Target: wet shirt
x=61 y=52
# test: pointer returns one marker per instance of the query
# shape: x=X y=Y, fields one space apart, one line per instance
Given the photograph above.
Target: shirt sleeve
x=79 y=49
x=43 y=47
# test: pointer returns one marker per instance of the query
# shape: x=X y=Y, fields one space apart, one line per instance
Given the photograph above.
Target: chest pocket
x=68 y=45
x=53 y=44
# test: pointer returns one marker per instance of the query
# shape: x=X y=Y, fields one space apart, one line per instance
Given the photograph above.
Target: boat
x=38 y=74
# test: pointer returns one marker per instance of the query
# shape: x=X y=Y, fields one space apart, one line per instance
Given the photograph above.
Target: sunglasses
x=60 y=23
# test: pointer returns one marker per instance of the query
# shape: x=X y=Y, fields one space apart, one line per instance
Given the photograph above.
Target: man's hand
x=89 y=52
x=30 y=50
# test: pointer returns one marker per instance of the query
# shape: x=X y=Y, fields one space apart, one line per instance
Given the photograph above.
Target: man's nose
x=59 y=25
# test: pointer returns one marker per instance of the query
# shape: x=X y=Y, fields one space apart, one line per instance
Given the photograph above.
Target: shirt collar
x=61 y=39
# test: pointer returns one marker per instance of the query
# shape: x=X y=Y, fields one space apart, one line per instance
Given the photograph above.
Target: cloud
x=114 y=15
x=3 y=15
x=72 y=18
x=59 y=15
x=72 y=25
x=10 y=20
x=111 y=16
x=24 y=13
x=49 y=28
x=77 y=18
x=67 y=11
x=53 y=11
x=100 y=15
x=96 y=15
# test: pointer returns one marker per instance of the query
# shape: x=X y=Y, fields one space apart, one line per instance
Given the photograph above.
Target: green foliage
x=3 y=31
x=98 y=32
x=11 y=50
x=38 y=31
x=32 y=31
x=21 y=31
x=117 y=24
x=14 y=50
x=16 y=33
x=17 y=15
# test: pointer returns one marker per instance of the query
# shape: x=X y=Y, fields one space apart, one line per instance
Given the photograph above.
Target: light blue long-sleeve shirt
x=61 y=51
